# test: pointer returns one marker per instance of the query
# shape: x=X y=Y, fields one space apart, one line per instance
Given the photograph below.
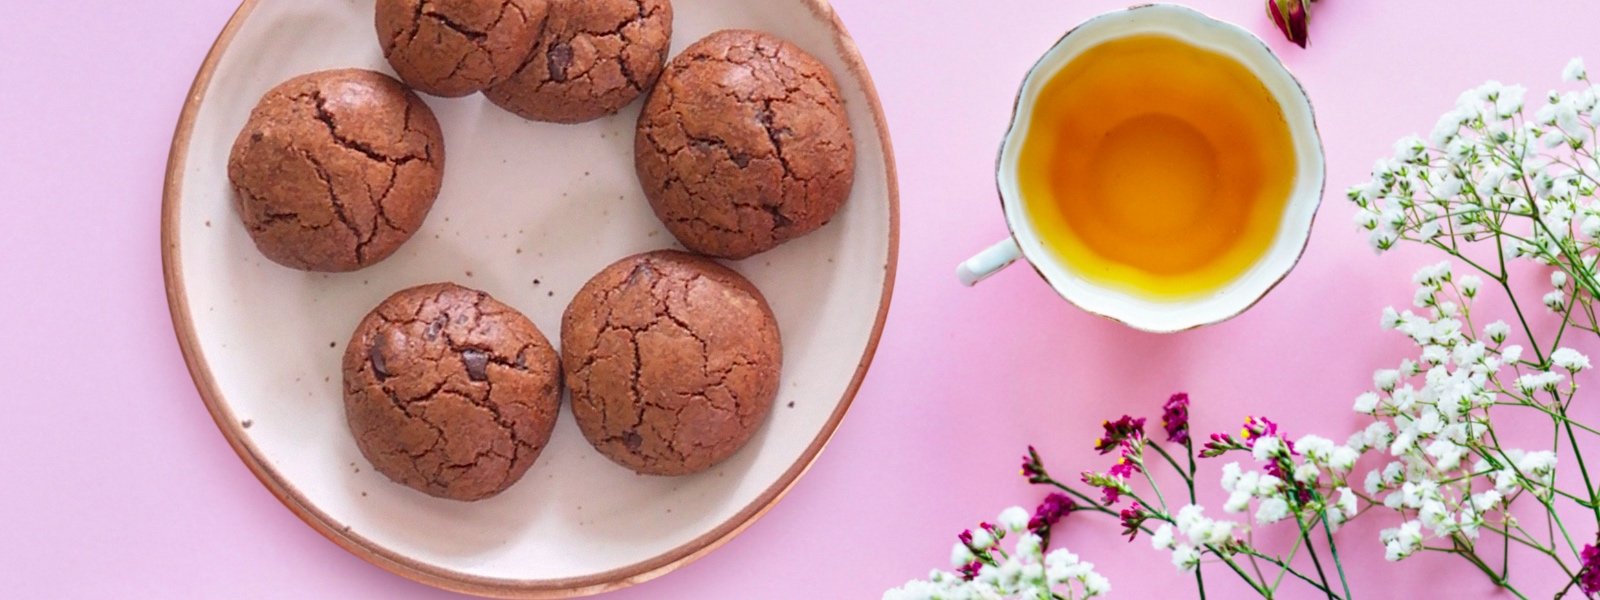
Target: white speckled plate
x=529 y=211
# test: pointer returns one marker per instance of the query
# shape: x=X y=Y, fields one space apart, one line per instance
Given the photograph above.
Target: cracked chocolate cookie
x=335 y=170
x=673 y=362
x=594 y=58
x=458 y=47
x=743 y=145
x=449 y=391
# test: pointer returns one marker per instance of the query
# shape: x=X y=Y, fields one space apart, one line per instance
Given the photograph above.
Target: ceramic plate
x=529 y=211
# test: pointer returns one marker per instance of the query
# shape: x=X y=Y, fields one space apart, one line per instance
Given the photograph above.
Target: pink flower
x=970 y=570
x=1118 y=430
x=1033 y=467
x=1589 y=576
x=1051 y=510
x=1175 y=418
x=1292 y=18
x=1132 y=519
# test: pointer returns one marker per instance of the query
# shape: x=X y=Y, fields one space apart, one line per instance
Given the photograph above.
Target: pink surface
x=118 y=484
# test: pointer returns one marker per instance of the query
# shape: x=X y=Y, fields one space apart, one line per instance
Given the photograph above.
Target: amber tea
x=1156 y=166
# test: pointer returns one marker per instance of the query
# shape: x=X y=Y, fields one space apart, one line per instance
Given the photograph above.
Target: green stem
x=1312 y=550
x=1333 y=549
x=1290 y=570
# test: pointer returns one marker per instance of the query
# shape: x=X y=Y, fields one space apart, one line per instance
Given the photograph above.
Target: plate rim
x=568 y=587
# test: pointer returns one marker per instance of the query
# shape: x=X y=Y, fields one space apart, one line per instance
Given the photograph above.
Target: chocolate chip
x=522 y=359
x=477 y=362
x=433 y=328
x=642 y=269
x=632 y=440
x=559 y=57
x=375 y=355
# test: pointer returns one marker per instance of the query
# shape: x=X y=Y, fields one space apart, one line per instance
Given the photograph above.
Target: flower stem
x=1333 y=549
x=1312 y=550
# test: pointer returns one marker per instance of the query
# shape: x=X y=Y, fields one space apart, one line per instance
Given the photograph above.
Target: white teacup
x=1151 y=313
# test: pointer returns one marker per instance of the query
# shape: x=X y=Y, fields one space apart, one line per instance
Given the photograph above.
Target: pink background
x=118 y=484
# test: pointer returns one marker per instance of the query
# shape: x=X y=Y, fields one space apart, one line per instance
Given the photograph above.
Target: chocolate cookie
x=673 y=362
x=335 y=169
x=449 y=391
x=458 y=47
x=744 y=144
x=595 y=57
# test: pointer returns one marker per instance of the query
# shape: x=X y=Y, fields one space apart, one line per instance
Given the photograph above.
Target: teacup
x=1162 y=169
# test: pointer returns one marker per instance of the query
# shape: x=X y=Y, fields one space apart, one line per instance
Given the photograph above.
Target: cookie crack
x=336 y=203
x=467 y=32
x=319 y=104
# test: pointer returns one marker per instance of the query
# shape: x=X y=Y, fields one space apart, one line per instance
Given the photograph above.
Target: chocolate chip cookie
x=449 y=391
x=744 y=144
x=334 y=170
x=673 y=362
x=458 y=47
x=594 y=58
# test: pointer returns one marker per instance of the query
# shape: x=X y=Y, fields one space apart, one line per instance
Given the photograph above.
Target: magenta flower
x=1110 y=487
x=1292 y=18
x=970 y=570
x=1175 y=418
x=1118 y=430
x=1033 y=468
x=1589 y=576
x=1132 y=519
x=1050 y=510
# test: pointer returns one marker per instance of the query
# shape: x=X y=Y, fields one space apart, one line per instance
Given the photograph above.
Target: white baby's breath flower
x=1095 y=584
x=1496 y=331
x=1029 y=544
x=1558 y=279
x=1347 y=502
x=1238 y=502
x=1230 y=475
x=1556 y=301
x=1185 y=557
x=1509 y=101
x=1542 y=462
x=1403 y=541
x=1486 y=501
x=1470 y=285
x=1267 y=485
x=1409 y=149
x=1013 y=519
x=1266 y=448
x=1574 y=71
x=1391 y=319
x=1316 y=448
x=1366 y=403
x=1343 y=458
x=961 y=555
x=1307 y=473
x=1272 y=510
x=1570 y=359
x=1162 y=538
x=1511 y=354
x=981 y=539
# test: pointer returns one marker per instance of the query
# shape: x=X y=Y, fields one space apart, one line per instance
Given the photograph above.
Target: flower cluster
x=1488 y=172
x=985 y=570
x=1446 y=474
x=1203 y=534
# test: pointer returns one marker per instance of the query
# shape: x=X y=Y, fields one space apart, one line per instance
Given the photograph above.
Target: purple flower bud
x=1292 y=18
x=1175 y=418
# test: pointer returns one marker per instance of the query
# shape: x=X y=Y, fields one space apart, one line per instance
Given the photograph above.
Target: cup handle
x=988 y=262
